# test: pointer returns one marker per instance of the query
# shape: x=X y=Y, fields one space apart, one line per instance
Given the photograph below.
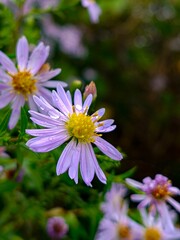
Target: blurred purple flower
x=69 y=37
x=157 y=228
x=114 y=199
x=120 y=227
x=93 y=9
x=29 y=5
x=56 y=227
x=18 y=85
x=3 y=154
x=71 y=121
x=157 y=192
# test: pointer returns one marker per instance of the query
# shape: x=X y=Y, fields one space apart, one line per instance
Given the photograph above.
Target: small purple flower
x=93 y=9
x=157 y=191
x=18 y=85
x=3 y=154
x=69 y=37
x=157 y=228
x=71 y=122
x=56 y=227
x=120 y=227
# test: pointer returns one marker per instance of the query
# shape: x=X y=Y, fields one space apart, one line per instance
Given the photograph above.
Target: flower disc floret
x=152 y=233
x=81 y=127
x=124 y=231
x=24 y=83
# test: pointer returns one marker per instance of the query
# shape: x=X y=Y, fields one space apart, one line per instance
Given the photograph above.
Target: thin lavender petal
x=64 y=98
x=32 y=104
x=22 y=53
x=108 y=149
x=98 y=170
x=46 y=132
x=86 y=165
x=6 y=98
x=78 y=100
x=73 y=169
x=65 y=158
x=7 y=63
x=16 y=108
x=38 y=58
x=4 y=77
x=87 y=102
x=134 y=183
x=53 y=84
x=60 y=104
x=43 y=77
x=174 y=203
x=46 y=144
x=105 y=129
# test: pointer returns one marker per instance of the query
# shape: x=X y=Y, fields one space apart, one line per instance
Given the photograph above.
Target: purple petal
x=87 y=102
x=68 y=94
x=45 y=93
x=6 y=98
x=97 y=115
x=174 y=203
x=53 y=84
x=98 y=170
x=16 y=108
x=62 y=94
x=46 y=132
x=105 y=129
x=134 y=183
x=138 y=197
x=60 y=104
x=22 y=52
x=44 y=120
x=4 y=86
x=78 y=100
x=7 y=63
x=86 y=164
x=73 y=169
x=4 y=77
x=43 y=77
x=65 y=158
x=38 y=58
x=108 y=149
x=46 y=144
x=32 y=104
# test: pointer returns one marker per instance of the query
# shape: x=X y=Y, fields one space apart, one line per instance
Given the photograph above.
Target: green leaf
x=4 y=123
x=24 y=120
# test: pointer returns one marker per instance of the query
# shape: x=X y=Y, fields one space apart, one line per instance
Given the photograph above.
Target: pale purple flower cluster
x=69 y=37
x=68 y=120
x=30 y=77
x=117 y=224
x=156 y=191
x=56 y=228
x=93 y=9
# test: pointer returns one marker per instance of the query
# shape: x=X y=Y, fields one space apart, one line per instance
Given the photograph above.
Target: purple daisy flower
x=56 y=227
x=157 y=228
x=18 y=85
x=120 y=227
x=71 y=122
x=157 y=191
x=93 y=9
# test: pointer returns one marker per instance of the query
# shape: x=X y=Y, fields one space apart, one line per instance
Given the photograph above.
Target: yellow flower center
x=24 y=83
x=81 y=127
x=161 y=191
x=124 y=232
x=152 y=233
